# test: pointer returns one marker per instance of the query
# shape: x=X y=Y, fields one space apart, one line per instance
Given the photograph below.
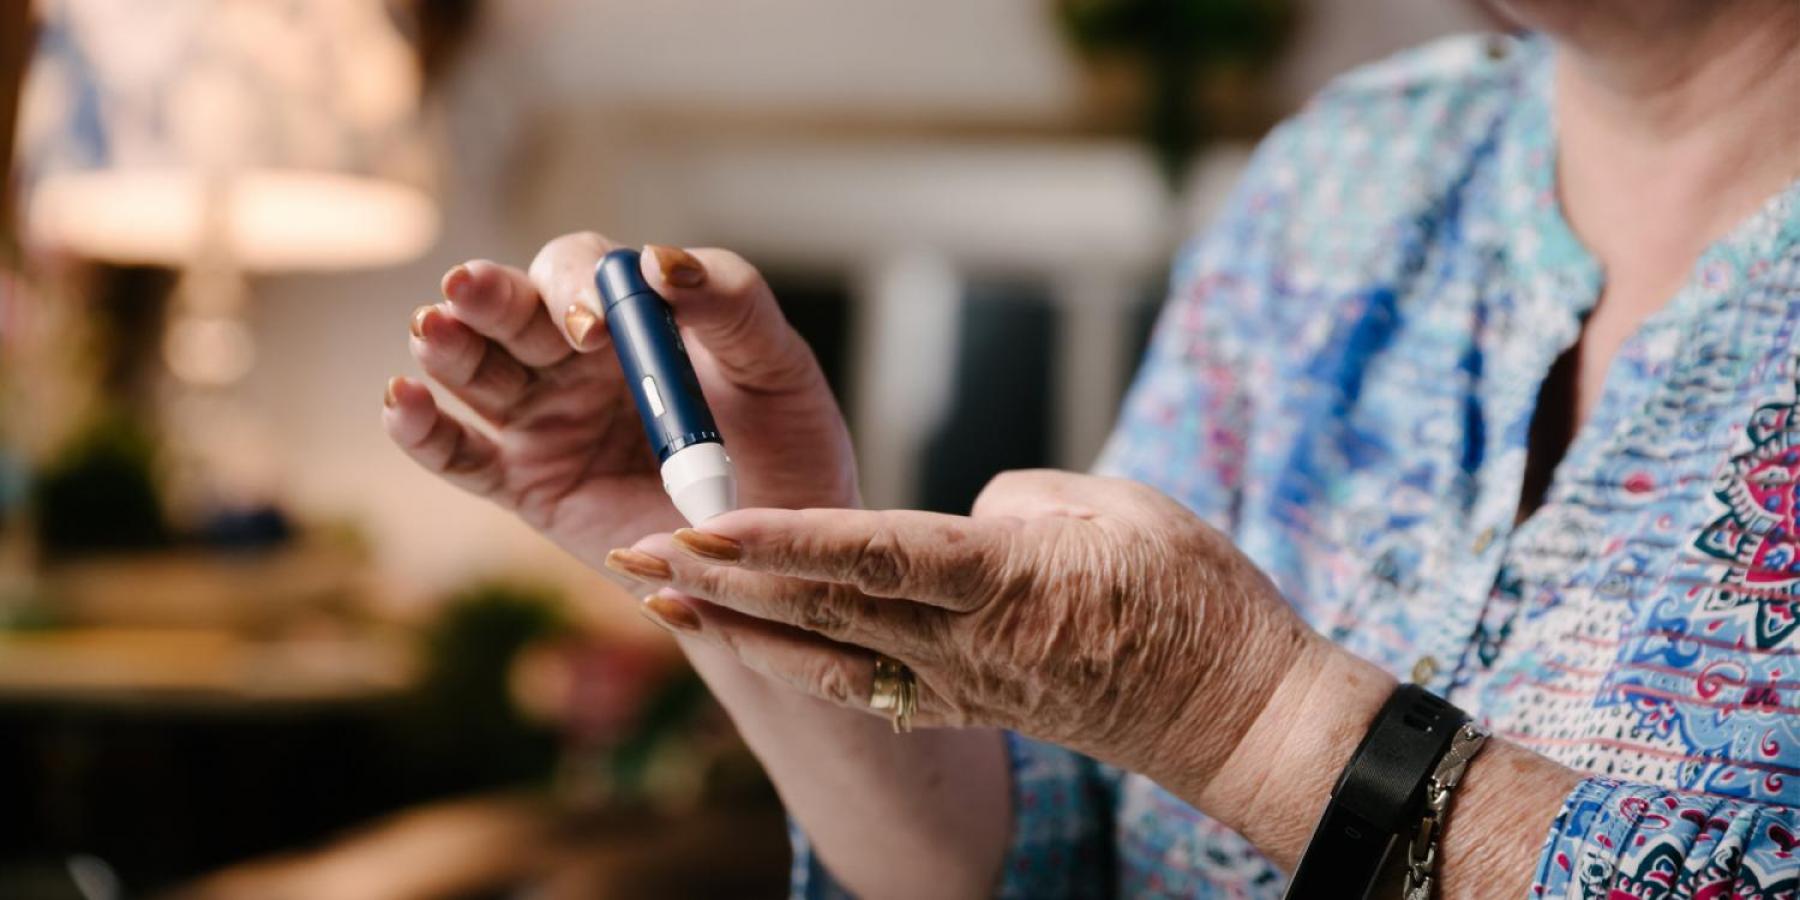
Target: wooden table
x=170 y=752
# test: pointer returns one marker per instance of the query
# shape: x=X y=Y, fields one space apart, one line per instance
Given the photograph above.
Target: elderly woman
x=1486 y=380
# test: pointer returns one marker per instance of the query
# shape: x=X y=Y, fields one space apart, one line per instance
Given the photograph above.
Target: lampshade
x=259 y=134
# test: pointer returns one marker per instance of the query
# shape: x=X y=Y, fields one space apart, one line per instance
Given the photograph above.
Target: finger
x=477 y=370
x=500 y=302
x=814 y=665
x=729 y=309
x=1038 y=493
x=440 y=443
x=837 y=611
x=954 y=562
x=562 y=276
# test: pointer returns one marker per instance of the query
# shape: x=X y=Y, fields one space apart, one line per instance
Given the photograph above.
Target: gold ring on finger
x=894 y=690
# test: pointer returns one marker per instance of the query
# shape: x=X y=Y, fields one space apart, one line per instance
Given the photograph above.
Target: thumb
x=727 y=307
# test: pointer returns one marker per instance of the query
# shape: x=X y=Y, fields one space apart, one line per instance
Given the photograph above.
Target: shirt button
x=1483 y=541
x=1425 y=669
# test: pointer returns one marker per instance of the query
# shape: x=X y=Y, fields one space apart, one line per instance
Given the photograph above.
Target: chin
x=1577 y=17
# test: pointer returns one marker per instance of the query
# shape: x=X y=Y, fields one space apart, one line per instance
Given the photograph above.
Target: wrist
x=1277 y=780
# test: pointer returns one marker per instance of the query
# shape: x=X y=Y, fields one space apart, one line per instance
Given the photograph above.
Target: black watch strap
x=1380 y=795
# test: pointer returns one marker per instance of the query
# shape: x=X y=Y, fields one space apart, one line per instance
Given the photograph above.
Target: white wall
x=990 y=57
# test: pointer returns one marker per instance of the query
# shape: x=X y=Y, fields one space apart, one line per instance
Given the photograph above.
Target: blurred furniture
x=912 y=220
x=524 y=845
x=161 y=669
x=15 y=40
x=169 y=752
x=867 y=144
x=293 y=588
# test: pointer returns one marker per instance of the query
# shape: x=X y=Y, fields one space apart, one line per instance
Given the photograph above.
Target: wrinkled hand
x=1090 y=612
x=560 y=442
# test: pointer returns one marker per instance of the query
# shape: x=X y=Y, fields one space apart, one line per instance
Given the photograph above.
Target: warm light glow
x=274 y=220
x=259 y=135
x=209 y=350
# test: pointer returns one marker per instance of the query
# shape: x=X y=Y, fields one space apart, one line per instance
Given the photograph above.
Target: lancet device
x=696 y=471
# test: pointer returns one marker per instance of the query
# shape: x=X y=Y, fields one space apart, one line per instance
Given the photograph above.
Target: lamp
x=224 y=137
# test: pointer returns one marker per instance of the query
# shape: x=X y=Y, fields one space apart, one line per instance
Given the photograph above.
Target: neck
x=1663 y=75
x=1676 y=121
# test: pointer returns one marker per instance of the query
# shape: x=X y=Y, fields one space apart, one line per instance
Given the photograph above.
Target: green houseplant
x=1186 y=53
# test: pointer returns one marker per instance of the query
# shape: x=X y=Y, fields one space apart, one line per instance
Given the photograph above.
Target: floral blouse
x=1344 y=381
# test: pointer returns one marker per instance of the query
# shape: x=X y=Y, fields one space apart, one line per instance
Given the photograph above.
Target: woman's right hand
x=528 y=352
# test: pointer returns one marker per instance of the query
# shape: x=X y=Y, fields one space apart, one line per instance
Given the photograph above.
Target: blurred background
x=247 y=649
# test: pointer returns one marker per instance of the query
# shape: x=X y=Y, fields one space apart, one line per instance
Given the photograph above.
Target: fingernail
x=639 y=565
x=456 y=283
x=707 y=545
x=418 y=321
x=670 y=613
x=580 y=321
x=678 y=266
x=390 y=399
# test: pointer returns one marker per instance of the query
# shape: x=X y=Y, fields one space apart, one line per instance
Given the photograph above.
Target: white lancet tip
x=699 y=479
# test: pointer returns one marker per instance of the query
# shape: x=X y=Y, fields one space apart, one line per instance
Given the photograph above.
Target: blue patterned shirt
x=1344 y=380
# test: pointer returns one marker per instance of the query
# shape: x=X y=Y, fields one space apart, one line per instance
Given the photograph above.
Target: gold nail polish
x=679 y=267
x=580 y=321
x=639 y=565
x=455 y=285
x=670 y=613
x=709 y=546
x=390 y=399
x=417 y=326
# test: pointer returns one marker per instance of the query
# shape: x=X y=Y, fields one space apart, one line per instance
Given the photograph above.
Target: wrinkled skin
x=1091 y=612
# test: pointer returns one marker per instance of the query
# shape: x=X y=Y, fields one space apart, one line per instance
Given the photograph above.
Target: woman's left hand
x=1090 y=612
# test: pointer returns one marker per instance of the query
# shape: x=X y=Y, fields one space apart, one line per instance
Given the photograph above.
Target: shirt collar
x=1557 y=271
x=1558 y=279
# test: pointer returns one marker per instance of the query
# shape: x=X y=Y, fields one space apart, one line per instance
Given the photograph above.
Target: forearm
x=1276 y=784
x=1496 y=828
x=922 y=814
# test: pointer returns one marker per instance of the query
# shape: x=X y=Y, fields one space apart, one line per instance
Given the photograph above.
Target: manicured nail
x=706 y=545
x=670 y=613
x=456 y=283
x=678 y=266
x=639 y=565
x=580 y=321
x=390 y=399
x=417 y=326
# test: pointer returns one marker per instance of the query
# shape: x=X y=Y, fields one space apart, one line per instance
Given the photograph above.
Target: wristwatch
x=1379 y=797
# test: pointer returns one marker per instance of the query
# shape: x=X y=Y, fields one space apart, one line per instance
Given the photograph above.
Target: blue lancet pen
x=696 y=472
